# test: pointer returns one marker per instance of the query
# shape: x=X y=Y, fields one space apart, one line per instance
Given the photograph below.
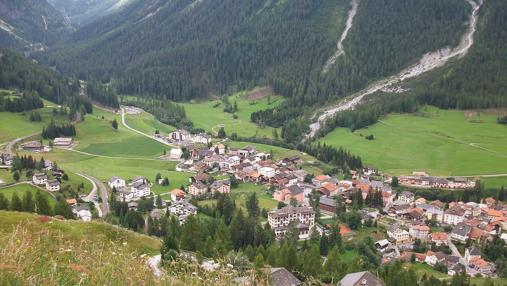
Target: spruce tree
x=16 y=204
x=28 y=202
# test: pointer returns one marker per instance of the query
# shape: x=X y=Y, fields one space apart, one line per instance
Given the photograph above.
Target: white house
x=39 y=179
x=116 y=182
x=126 y=194
x=303 y=217
x=406 y=196
x=398 y=234
x=454 y=215
x=179 y=135
x=461 y=232
x=140 y=189
x=267 y=172
x=53 y=185
x=175 y=153
x=202 y=138
x=82 y=211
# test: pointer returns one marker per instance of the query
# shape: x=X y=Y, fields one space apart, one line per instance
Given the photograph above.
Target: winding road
x=428 y=62
x=92 y=195
x=10 y=145
x=124 y=123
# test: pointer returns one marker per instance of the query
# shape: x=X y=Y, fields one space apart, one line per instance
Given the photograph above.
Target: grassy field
x=96 y=136
x=241 y=193
x=14 y=125
x=147 y=123
x=209 y=115
x=437 y=141
x=21 y=189
x=423 y=268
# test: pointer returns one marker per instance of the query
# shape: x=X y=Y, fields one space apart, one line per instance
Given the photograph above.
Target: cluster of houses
x=468 y=222
x=6 y=159
x=182 y=137
x=423 y=180
x=52 y=185
x=38 y=147
x=138 y=188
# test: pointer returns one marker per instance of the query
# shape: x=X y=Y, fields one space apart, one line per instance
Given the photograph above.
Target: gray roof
x=282 y=277
x=364 y=278
x=81 y=207
x=461 y=229
x=325 y=200
x=219 y=183
x=53 y=182
x=114 y=178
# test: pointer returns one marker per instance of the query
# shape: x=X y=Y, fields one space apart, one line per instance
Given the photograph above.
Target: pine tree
x=28 y=202
x=63 y=209
x=222 y=239
x=258 y=261
x=4 y=202
x=42 y=204
x=114 y=124
x=16 y=204
x=252 y=205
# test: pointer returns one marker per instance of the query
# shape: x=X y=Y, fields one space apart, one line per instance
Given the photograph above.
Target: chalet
x=82 y=211
x=399 y=235
x=140 y=187
x=221 y=186
x=39 y=179
x=126 y=194
x=175 y=154
x=461 y=232
x=53 y=185
x=406 y=197
x=364 y=278
x=439 y=238
x=454 y=215
x=197 y=188
x=267 y=172
x=433 y=258
x=177 y=195
x=201 y=138
x=327 y=204
x=419 y=232
x=200 y=177
x=6 y=159
x=328 y=189
x=280 y=219
x=382 y=245
x=289 y=193
x=493 y=214
x=182 y=210
x=62 y=142
x=247 y=151
x=282 y=277
x=482 y=266
x=116 y=182
x=179 y=135
x=34 y=146
x=399 y=209
x=48 y=165
x=320 y=180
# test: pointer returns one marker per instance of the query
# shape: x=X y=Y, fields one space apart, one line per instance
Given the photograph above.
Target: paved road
x=455 y=252
x=10 y=145
x=124 y=122
x=92 y=196
x=104 y=205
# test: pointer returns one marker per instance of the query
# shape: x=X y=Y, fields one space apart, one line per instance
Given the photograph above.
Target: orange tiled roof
x=439 y=236
x=322 y=177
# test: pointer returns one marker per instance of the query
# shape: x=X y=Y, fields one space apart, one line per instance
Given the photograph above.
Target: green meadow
x=440 y=142
x=21 y=189
x=147 y=123
x=241 y=193
x=210 y=115
x=14 y=125
x=96 y=136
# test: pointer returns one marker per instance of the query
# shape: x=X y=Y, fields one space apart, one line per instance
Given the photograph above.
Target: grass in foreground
x=34 y=252
x=441 y=142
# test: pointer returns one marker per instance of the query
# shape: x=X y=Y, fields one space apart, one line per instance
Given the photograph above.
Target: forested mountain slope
x=25 y=22
x=82 y=12
x=189 y=49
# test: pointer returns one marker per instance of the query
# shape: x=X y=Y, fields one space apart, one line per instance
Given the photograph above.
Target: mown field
x=440 y=142
x=241 y=193
x=14 y=125
x=147 y=123
x=96 y=136
x=210 y=115
x=21 y=189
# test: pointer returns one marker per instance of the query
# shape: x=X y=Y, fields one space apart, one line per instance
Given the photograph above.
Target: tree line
x=36 y=204
x=25 y=101
x=52 y=130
